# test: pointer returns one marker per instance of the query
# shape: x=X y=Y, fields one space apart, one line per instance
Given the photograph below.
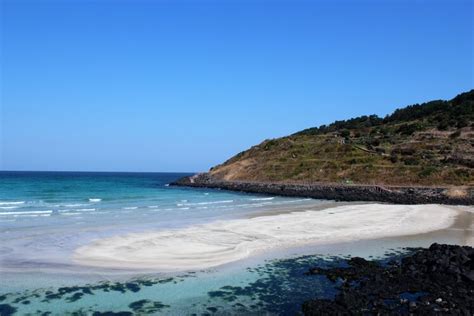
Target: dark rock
x=137 y=305
x=431 y=281
x=390 y=194
x=6 y=310
x=112 y=314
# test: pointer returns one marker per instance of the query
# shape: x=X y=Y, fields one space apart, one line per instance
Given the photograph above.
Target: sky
x=184 y=85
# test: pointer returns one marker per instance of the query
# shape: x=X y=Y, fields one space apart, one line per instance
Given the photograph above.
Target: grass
x=324 y=158
x=409 y=152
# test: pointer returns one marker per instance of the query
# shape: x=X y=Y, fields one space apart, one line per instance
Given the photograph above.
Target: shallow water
x=45 y=217
x=271 y=287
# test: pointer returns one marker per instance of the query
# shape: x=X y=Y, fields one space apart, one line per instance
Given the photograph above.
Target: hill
x=429 y=144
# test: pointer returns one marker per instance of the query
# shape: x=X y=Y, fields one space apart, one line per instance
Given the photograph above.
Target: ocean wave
x=32 y=215
x=205 y=203
x=12 y=203
x=152 y=206
x=95 y=200
x=298 y=200
x=74 y=205
x=261 y=204
x=8 y=207
x=76 y=210
x=263 y=199
x=130 y=208
x=26 y=212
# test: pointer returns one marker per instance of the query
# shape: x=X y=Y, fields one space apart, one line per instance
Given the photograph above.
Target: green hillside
x=426 y=144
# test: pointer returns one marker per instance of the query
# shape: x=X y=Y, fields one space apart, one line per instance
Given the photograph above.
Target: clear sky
x=183 y=85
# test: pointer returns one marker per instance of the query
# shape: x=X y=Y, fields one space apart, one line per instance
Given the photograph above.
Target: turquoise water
x=45 y=216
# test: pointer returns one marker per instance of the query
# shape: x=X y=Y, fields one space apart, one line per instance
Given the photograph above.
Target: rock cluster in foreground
x=438 y=280
x=339 y=192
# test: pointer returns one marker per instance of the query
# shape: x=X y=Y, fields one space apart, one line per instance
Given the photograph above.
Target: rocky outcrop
x=340 y=192
x=434 y=281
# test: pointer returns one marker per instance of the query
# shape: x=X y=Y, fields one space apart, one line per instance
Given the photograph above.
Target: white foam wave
x=263 y=199
x=95 y=200
x=130 y=208
x=205 y=203
x=26 y=213
x=32 y=215
x=298 y=200
x=8 y=207
x=152 y=206
x=74 y=205
x=12 y=203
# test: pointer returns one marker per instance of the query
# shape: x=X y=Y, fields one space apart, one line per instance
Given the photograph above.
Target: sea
x=46 y=216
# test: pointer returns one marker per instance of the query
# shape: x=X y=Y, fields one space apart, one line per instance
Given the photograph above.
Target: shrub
x=427 y=171
x=462 y=122
x=456 y=134
x=443 y=125
x=410 y=161
x=409 y=129
x=393 y=157
x=269 y=144
x=462 y=173
x=345 y=133
x=375 y=142
x=407 y=151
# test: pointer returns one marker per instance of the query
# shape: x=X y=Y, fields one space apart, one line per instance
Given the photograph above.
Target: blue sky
x=183 y=85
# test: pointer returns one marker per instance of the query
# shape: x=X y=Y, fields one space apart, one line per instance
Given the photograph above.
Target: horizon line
x=75 y=171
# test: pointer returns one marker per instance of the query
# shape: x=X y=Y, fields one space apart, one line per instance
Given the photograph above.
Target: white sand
x=220 y=242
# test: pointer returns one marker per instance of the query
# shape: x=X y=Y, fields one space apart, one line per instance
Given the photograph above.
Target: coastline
x=339 y=192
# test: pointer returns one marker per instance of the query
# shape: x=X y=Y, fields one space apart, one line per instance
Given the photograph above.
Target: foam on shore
x=220 y=242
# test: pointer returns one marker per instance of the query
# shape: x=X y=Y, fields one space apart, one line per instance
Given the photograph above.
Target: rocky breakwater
x=340 y=192
x=434 y=281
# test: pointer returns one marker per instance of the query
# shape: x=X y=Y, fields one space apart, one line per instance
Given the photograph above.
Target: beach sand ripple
x=220 y=242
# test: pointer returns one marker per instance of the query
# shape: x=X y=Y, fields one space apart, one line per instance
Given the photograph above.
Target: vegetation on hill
x=426 y=144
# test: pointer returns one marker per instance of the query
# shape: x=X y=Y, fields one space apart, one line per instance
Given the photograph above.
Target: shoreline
x=339 y=192
x=224 y=242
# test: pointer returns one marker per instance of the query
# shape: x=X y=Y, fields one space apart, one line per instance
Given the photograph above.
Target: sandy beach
x=221 y=242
